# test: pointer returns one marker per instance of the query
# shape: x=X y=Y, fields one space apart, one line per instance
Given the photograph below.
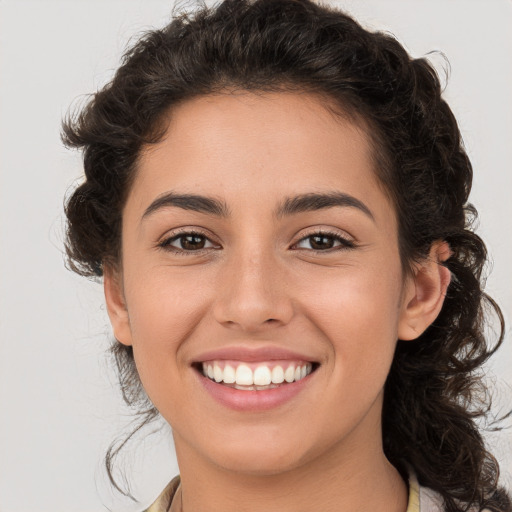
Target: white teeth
x=289 y=374
x=277 y=375
x=244 y=376
x=262 y=376
x=218 y=374
x=229 y=375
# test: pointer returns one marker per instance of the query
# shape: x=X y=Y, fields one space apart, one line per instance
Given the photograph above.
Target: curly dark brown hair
x=434 y=394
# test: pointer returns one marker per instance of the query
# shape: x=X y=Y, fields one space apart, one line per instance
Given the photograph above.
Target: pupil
x=192 y=242
x=321 y=242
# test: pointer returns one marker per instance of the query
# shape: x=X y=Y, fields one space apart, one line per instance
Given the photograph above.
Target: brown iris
x=192 y=242
x=319 y=242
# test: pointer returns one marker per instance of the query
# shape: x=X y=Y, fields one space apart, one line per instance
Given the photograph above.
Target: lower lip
x=253 y=401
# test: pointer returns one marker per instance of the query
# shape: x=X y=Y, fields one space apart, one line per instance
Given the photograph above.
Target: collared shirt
x=421 y=499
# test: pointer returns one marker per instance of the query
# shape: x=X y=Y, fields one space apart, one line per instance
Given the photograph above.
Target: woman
x=276 y=200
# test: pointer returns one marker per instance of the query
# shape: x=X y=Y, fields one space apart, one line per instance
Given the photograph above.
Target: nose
x=253 y=293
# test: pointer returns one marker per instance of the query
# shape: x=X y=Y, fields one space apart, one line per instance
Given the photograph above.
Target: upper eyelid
x=345 y=242
x=201 y=231
x=176 y=233
x=166 y=239
x=165 y=243
x=334 y=232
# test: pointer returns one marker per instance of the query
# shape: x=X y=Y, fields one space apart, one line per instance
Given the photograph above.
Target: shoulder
x=430 y=500
x=424 y=499
x=164 y=500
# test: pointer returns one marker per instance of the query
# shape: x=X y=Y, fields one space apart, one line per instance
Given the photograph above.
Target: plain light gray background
x=59 y=404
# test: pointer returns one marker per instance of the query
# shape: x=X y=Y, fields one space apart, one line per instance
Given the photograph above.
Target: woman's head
x=256 y=234
x=260 y=105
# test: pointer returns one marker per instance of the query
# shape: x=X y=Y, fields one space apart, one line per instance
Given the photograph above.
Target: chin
x=260 y=464
x=260 y=455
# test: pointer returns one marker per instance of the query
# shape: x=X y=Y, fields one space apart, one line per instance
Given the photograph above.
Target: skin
x=257 y=283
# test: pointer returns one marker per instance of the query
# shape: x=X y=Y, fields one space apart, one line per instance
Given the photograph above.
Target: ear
x=116 y=305
x=425 y=292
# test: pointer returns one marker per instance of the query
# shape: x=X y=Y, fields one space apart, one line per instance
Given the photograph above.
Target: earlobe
x=116 y=306
x=425 y=293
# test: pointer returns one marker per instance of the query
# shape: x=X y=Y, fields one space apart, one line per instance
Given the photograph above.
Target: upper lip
x=252 y=354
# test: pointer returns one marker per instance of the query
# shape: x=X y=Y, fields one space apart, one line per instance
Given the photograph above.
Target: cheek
x=162 y=305
x=163 y=314
x=357 y=313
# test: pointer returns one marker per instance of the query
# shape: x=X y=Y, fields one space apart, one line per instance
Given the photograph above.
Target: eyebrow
x=319 y=201
x=192 y=202
x=290 y=206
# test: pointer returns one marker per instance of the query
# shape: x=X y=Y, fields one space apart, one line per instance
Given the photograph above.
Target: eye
x=324 y=241
x=187 y=242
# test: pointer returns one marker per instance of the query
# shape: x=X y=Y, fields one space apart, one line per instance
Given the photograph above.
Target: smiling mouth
x=255 y=376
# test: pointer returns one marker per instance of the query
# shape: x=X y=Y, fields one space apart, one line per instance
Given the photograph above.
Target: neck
x=354 y=475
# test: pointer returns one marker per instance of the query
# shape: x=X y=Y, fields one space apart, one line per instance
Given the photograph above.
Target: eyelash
x=344 y=243
x=166 y=244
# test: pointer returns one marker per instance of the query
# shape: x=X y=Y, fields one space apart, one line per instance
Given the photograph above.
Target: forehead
x=258 y=146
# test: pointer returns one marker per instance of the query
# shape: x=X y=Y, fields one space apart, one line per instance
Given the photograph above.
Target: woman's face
x=257 y=241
